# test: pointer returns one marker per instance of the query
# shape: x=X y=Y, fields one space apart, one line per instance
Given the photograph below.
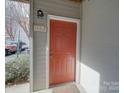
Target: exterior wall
x=53 y=7
x=100 y=46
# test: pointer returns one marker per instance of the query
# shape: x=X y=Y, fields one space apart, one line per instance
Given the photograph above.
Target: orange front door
x=62 y=51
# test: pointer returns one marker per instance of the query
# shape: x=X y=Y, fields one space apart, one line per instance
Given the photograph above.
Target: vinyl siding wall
x=54 y=7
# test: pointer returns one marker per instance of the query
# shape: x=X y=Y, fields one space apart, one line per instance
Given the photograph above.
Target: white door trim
x=77 y=45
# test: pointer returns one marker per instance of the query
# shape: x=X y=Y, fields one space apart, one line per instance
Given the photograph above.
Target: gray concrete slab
x=21 y=88
x=67 y=88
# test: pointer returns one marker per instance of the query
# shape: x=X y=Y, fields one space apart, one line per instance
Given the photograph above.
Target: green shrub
x=17 y=70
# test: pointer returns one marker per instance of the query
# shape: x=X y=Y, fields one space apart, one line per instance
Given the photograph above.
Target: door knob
x=50 y=54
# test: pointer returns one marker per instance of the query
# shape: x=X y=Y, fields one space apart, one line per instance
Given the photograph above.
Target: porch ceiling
x=24 y=1
x=77 y=0
x=27 y=1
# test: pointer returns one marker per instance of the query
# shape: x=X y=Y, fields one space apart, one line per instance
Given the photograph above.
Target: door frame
x=77 y=77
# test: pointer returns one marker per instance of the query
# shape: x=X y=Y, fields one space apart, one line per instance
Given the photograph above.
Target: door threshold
x=62 y=84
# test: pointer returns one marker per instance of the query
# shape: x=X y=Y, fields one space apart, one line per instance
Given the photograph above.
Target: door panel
x=62 y=51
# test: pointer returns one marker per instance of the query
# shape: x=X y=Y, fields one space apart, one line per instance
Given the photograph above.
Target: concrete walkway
x=22 y=88
x=69 y=88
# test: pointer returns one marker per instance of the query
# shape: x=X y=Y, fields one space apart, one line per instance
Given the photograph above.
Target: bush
x=17 y=70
